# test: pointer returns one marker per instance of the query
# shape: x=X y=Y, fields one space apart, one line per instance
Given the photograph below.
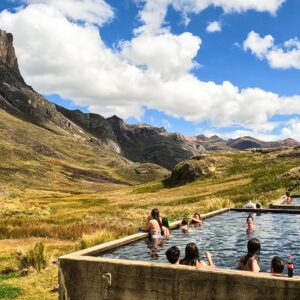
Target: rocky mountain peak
x=7 y=52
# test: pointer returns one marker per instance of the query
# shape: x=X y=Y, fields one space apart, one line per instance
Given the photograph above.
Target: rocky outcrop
x=191 y=170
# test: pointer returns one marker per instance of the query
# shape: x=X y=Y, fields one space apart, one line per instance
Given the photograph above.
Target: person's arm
x=197 y=220
x=254 y=265
x=209 y=259
x=148 y=224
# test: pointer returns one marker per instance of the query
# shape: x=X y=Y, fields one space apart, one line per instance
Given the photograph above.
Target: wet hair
x=253 y=247
x=155 y=216
x=249 y=217
x=165 y=222
x=288 y=194
x=196 y=214
x=191 y=255
x=258 y=205
x=173 y=254
x=185 y=221
x=277 y=264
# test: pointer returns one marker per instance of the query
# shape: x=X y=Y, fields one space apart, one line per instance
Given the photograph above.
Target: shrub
x=8 y=291
x=35 y=257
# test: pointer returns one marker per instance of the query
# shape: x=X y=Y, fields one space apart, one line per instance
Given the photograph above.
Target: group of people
x=159 y=227
x=287 y=199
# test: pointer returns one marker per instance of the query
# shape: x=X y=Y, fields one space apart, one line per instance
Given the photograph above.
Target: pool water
x=295 y=201
x=226 y=238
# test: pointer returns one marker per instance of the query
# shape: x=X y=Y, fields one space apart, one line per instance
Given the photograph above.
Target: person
x=249 y=261
x=258 y=205
x=173 y=255
x=192 y=257
x=196 y=219
x=277 y=265
x=154 y=225
x=250 y=204
x=250 y=224
x=288 y=199
x=185 y=225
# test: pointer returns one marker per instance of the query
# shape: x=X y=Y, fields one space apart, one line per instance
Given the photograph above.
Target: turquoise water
x=225 y=237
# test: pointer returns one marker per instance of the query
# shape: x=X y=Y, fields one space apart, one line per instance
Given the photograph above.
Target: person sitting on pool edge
x=185 y=225
x=173 y=255
x=250 y=224
x=192 y=257
x=249 y=261
x=277 y=265
x=196 y=219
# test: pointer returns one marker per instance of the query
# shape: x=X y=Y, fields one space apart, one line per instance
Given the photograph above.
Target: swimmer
x=250 y=224
x=196 y=219
x=185 y=225
x=173 y=255
x=277 y=265
x=192 y=257
x=249 y=261
x=166 y=226
x=154 y=224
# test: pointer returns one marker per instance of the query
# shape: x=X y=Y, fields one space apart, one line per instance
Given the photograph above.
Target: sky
x=225 y=67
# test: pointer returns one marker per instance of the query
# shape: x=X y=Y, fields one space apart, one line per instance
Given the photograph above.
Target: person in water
x=277 y=265
x=154 y=224
x=185 y=225
x=287 y=198
x=173 y=255
x=250 y=224
x=192 y=257
x=196 y=219
x=165 y=223
x=249 y=261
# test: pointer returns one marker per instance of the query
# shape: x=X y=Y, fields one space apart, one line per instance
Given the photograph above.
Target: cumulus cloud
x=292 y=130
x=70 y=58
x=154 y=11
x=214 y=27
x=283 y=56
x=91 y=11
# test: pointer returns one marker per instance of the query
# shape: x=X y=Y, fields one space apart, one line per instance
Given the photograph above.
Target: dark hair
x=258 y=205
x=253 y=247
x=277 y=264
x=165 y=222
x=173 y=254
x=288 y=194
x=196 y=214
x=191 y=255
x=185 y=221
x=155 y=216
x=249 y=217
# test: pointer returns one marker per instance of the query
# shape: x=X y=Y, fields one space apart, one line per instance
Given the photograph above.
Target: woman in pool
x=249 y=261
x=192 y=257
x=155 y=226
x=196 y=219
x=250 y=224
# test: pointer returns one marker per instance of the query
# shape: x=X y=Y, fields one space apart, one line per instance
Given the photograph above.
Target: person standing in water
x=250 y=224
x=154 y=225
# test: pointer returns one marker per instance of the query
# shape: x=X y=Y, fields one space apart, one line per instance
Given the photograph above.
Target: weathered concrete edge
x=279 y=202
x=277 y=210
x=131 y=238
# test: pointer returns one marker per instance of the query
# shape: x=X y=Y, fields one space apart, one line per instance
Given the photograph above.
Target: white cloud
x=167 y=54
x=292 y=130
x=91 y=11
x=214 y=27
x=283 y=56
x=68 y=58
x=154 y=11
x=258 y=45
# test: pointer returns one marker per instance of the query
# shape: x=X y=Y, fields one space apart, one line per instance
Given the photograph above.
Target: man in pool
x=250 y=224
x=173 y=255
x=277 y=265
x=185 y=225
x=287 y=198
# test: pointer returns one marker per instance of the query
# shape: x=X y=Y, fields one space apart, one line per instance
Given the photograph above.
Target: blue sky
x=119 y=57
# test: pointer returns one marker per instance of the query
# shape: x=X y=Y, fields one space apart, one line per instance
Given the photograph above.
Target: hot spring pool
x=295 y=201
x=225 y=237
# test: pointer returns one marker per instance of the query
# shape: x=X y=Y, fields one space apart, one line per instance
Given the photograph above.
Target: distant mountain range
x=139 y=143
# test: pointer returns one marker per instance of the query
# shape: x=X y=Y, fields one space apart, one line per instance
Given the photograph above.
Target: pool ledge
x=83 y=276
x=278 y=204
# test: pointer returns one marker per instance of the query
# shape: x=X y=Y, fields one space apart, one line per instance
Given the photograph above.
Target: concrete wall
x=85 y=277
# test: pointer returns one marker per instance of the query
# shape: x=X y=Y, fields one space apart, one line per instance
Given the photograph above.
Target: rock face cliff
x=139 y=143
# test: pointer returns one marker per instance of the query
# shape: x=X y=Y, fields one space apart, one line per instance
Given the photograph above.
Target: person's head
x=253 y=246
x=191 y=254
x=288 y=194
x=173 y=254
x=155 y=213
x=249 y=218
x=258 y=205
x=165 y=222
x=185 y=221
x=277 y=265
x=197 y=216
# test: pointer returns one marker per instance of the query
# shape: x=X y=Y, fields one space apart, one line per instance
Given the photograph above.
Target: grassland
x=71 y=194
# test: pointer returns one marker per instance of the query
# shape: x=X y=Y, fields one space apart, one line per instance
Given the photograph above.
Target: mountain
x=140 y=143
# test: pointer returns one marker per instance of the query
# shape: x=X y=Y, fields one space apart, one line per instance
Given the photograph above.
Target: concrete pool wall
x=278 y=204
x=86 y=277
